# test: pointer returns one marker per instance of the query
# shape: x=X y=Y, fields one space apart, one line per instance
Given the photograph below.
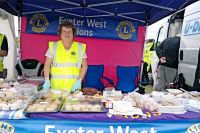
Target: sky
x=153 y=29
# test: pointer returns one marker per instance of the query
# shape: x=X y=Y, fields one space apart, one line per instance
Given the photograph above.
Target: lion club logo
x=125 y=29
x=38 y=23
x=194 y=128
x=6 y=128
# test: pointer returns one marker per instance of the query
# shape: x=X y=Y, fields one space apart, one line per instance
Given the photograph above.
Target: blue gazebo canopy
x=138 y=10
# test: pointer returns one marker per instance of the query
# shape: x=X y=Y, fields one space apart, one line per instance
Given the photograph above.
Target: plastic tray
x=22 y=105
x=41 y=107
x=84 y=106
x=179 y=109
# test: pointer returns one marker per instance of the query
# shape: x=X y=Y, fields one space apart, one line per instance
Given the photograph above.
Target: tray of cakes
x=8 y=93
x=50 y=101
x=82 y=105
x=7 y=85
x=20 y=102
x=10 y=99
x=170 y=104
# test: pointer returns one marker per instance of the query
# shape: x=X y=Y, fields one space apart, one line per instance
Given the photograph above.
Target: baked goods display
x=8 y=94
x=27 y=89
x=50 y=101
x=10 y=100
x=168 y=103
x=8 y=84
x=47 y=103
x=143 y=102
x=12 y=96
x=82 y=105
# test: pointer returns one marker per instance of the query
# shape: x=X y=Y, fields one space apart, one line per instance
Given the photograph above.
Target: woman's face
x=66 y=33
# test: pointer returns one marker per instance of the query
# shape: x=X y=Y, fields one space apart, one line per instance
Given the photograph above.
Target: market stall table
x=150 y=116
x=101 y=123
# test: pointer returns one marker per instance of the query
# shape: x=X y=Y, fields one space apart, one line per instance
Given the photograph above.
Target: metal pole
x=19 y=37
x=141 y=70
x=19 y=10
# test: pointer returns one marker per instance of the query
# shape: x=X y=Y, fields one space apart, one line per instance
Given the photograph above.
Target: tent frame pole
x=19 y=11
x=19 y=36
x=142 y=61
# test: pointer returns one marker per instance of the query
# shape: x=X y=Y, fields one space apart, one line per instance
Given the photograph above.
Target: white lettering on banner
x=58 y=131
x=127 y=130
x=94 y=23
x=80 y=130
x=84 y=32
x=51 y=128
x=6 y=127
x=74 y=21
x=90 y=131
x=100 y=131
x=70 y=131
x=90 y=22
x=118 y=129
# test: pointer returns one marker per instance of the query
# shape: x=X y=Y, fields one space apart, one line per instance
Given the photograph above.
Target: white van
x=186 y=22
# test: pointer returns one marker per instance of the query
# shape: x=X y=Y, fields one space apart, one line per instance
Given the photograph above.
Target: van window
x=175 y=27
x=175 y=24
x=160 y=37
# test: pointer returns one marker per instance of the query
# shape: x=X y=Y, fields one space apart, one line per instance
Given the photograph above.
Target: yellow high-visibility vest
x=147 y=53
x=66 y=65
x=1 y=58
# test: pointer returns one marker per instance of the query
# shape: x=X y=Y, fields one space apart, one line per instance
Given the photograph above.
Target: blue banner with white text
x=119 y=29
x=67 y=126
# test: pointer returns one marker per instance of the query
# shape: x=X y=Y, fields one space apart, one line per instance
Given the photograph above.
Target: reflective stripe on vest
x=55 y=64
x=64 y=76
x=147 y=53
x=54 y=51
x=79 y=55
x=1 y=39
x=1 y=58
x=65 y=71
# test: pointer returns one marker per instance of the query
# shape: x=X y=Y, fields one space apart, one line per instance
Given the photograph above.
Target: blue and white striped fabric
x=15 y=114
